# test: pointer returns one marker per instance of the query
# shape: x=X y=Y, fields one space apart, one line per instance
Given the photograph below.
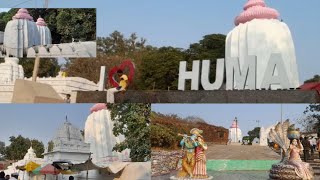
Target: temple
x=30 y=156
x=260 y=32
x=235 y=134
x=25 y=38
x=83 y=156
x=98 y=132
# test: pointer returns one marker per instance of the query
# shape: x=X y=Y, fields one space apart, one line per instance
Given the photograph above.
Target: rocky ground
x=164 y=162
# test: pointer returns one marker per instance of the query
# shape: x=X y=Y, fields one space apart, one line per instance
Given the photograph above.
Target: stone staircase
x=314 y=162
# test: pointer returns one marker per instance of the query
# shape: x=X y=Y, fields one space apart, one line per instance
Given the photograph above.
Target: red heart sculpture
x=125 y=64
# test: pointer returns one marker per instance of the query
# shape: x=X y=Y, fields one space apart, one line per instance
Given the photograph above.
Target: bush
x=163 y=137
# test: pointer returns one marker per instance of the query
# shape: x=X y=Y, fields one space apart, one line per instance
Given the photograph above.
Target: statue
x=194 y=158
x=302 y=169
x=291 y=166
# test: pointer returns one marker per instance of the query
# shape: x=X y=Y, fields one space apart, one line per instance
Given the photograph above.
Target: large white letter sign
x=205 y=82
x=276 y=66
x=185 y=75
x=238 y=78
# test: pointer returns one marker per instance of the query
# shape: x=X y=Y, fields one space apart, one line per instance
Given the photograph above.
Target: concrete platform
x=217 y=96
x=33 y=92
x=242 y=152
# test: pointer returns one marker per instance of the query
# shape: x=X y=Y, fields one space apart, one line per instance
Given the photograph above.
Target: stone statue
x=188 y=144
x=302 y=169
x=290 y=167
x=194 y=158
x=200 y=169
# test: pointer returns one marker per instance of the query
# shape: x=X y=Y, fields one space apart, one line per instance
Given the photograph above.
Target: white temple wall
x=63 y=86
x=261 y=38
x=235 y=135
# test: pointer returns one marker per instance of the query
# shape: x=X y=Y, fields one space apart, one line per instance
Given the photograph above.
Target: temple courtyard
x=232 y=162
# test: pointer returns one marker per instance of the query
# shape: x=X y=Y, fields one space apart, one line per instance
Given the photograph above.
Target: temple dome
x=23 y=14
x=20 y=34
x=44 y=31
x=234 y=124
x=41 y=22
x=256 y=9
x=30 y=154
x=69 y=133
x=98 y=107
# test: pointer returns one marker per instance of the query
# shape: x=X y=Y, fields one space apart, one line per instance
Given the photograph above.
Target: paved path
x=227 y=175
x=241 y=152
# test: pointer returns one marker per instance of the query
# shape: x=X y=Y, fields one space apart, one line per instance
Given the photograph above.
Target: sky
x=247 y=114
x=39 y=121
x=173 y=23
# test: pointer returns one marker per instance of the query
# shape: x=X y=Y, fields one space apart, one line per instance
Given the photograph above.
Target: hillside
x=164 y=130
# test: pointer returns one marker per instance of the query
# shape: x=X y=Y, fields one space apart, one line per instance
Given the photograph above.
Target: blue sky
x=178 y=24
x=247 y=114
x=39 y=121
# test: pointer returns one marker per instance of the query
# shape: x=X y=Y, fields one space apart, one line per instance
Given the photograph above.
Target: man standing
x=123 y=84
x=306 y=148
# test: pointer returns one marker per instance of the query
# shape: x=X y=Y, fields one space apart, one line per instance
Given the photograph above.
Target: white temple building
x=235 y=134
x=90 y=156
x=99 y=133
x=25 y=38
x=264 y=135
x=29 y=156
x=68 y=145
x=260 y=32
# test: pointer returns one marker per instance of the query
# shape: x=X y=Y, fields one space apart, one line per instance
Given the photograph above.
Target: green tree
x=254 y=133
x=160 y=68
x=117 y=44
x=311 y=121
x=2 y=150
x=50 y=146
x=64 y=24
x=316 y=78
x=163 y=137
x=112 y=51
x=211 y=47
x=76 y=23
x=132 y=121
x=19 y=146
x=47 y=68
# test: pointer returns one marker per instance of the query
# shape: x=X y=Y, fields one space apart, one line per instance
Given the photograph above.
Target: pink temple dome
x=98 y=107
x=23 y=14
x=256 y=9
x=41 y=22
x=234 y=124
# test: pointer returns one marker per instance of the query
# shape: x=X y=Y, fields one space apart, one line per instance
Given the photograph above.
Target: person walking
x=306 y=148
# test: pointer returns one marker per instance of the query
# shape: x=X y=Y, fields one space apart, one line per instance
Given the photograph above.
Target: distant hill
x=194 y=119
x=165 y=129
